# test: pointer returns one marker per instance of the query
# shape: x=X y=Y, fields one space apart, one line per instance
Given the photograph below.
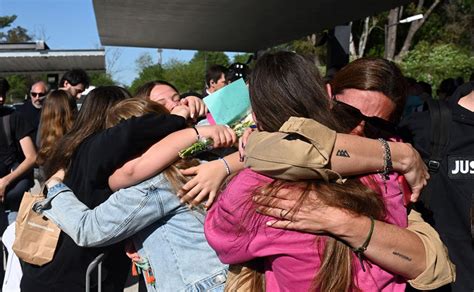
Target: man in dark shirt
x=215 y=79
x=451 y=188
x=74 y=82
x=31 y=108
x=17 y=157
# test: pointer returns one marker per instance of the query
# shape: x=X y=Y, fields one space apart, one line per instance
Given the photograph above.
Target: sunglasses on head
x=350 y=117
x=36 y=94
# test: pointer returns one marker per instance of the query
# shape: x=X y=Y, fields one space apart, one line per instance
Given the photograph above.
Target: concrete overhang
x=224 y=25
x=19 y=59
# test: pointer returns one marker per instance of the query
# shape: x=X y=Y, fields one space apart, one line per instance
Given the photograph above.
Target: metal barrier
x=97 y=262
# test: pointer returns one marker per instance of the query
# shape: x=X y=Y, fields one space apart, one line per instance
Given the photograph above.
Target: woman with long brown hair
x=285 y=85
x=368 y=94
x=57 y=116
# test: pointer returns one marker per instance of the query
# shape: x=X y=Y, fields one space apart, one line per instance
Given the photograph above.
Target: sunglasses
x=36 y=94
x=350 y=117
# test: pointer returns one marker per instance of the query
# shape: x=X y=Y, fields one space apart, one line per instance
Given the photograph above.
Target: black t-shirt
x=19 y=128
x=451 y=189
x=92 y=163
x=32 y=115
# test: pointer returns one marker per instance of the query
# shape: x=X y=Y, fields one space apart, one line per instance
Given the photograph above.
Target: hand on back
x=205 y=184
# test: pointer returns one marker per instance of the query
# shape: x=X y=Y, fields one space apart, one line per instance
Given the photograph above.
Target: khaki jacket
x=439 y=269
x=301 y=150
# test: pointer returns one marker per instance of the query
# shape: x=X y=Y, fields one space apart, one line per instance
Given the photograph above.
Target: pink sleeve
x=234 y=230
x=210 y=119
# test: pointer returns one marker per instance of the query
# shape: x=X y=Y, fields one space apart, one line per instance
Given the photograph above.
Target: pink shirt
x=238 y=234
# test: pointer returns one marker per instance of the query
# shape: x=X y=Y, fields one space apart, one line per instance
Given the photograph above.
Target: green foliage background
x=18 y=89
x=434 y=62
x=186 y=76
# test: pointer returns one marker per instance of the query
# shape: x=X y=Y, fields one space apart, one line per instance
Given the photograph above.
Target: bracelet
x=226 y=165
x=359 y=251
x=387 y=159
x=197 y=133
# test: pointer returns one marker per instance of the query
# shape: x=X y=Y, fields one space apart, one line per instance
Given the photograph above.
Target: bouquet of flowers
x=230 y=106
x=205 y=144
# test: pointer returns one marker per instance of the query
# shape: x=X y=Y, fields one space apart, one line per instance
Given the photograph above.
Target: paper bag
x=36 y=236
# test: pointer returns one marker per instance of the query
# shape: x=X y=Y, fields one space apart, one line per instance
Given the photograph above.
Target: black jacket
x=451 y=189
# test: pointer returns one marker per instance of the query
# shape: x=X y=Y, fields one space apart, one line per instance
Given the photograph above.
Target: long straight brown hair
x=285 y=84
x=90 y=120
x=57 y=116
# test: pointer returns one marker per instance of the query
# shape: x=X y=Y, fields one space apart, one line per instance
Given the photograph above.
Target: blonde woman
x=168 y=235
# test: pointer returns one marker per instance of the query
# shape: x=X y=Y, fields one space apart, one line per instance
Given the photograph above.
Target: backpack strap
x=440 y=115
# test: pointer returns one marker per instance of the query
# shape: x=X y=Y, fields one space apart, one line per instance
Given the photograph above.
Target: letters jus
x=463 y=166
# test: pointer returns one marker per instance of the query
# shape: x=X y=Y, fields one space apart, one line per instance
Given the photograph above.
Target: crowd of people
x=334 y=189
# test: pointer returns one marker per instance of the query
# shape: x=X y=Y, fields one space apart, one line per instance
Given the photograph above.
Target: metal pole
x=96 y=262
x=100 y=277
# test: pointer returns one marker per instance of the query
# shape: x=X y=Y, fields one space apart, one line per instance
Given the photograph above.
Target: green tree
x=210 y=58
x=143 y=61
x=18 y=34
x=5 y=21
x=19 y=84
x=193 y=75
x=15 y=34
x=101 y=79
x=150 y=73
x=241 y=58
x=434 y=63
x=452 y=23
x=310 y=46
x=443 y=22
x=185 y=76
x=18 y=88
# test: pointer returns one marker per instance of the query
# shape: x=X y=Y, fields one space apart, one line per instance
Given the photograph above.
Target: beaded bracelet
x=359 y=251
x=226 y=165
x=387 y=159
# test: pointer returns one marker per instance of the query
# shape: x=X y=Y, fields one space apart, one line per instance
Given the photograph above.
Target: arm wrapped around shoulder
x=301 y=150
x=439 y=269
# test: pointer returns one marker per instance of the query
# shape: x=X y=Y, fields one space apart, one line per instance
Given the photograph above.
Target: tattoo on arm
x=343 y=153
x=407 y=258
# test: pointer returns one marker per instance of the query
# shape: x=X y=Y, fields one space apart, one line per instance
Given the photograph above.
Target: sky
x=70 y=24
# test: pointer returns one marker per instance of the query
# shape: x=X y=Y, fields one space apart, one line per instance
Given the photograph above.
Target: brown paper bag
x=36 y=236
